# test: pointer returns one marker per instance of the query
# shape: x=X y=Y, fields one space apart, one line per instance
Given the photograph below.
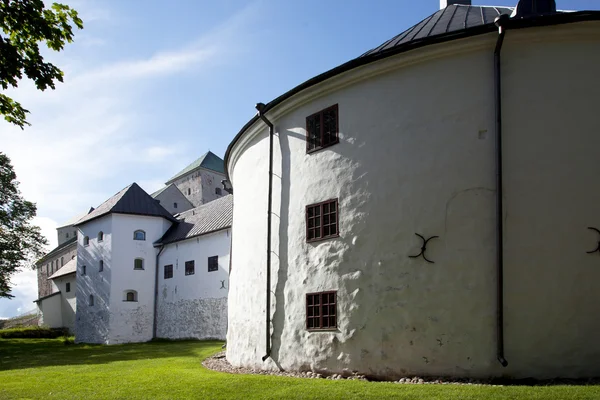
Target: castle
x=141 y=266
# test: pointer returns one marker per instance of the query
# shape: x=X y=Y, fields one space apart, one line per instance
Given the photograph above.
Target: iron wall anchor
x=598 y=247
x=424 y=248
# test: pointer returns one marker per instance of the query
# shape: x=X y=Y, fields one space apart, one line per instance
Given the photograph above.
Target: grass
x=47 y=369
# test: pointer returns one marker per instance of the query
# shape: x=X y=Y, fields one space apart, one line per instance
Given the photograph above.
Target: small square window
x=189 y=267
x=168 y=271
x=322 y=220
x=139 y=235
x=321 y=311
x=68 y=287
x=213 y=263
x=138 y=263
x=218 y=191
x=322 y=129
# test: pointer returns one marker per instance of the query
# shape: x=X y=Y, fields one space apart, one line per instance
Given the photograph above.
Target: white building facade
x=403 y=143
x=118 y=247
x=194 y=276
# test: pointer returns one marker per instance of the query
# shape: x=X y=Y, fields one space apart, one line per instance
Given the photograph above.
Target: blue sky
x=152 y=85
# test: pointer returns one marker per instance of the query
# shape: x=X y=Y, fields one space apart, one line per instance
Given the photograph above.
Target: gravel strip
x=218 y=362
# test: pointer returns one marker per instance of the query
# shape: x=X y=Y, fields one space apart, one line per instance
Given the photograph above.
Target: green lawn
x=47 y=369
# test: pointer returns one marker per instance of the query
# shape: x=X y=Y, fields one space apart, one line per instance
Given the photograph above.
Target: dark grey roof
x=210 y=217
x=450 y=19
x=57 y=250
x=131 y=200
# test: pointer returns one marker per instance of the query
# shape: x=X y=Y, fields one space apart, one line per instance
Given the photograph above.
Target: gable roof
x=58 y=249
x=452 y=31
x=131 y=200
x=68 y=268
x=159 y=191
x=207 y=218
x=209 y=161
x=75 y=219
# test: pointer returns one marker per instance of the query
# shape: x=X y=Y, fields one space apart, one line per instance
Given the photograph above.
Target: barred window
x=213 y=263
x=322 y=220
x=321 y=310
x=322 y=129
x=168 y=271
x=189 y=267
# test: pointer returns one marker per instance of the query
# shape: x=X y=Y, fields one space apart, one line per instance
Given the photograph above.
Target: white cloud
x=88 y=141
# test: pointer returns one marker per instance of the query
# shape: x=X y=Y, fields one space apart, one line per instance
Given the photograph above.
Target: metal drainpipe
x=500 y=21
x=154 y=324
x=260 y=107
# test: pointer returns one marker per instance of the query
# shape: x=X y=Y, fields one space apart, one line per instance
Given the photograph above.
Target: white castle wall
x=194 y=306
x=132 y=321
x=416 y=154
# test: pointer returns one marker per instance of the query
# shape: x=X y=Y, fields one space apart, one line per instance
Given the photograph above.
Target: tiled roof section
x=453 y=18
x=45 y=297
x=210 y=217
x=57 y=250
x=68 y=268
x=76 y=218
x=209 y=161
x=159 y=191
x=131 y=200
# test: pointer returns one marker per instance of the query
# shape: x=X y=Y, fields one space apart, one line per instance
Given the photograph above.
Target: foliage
x=20 y=242
x=23 y=25
x=33 y=332
x=67 y=340
x=42 y=369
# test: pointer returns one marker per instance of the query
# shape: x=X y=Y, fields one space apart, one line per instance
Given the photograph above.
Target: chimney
x=446 y=3
x=530 y=8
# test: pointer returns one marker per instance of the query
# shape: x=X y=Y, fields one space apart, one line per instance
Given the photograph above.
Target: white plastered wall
x=416 y=155
x=194 y=306
x=133 y=321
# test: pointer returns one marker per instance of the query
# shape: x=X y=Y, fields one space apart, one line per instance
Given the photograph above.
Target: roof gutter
x=500 y=23
x=261 y=107
x=155 y=320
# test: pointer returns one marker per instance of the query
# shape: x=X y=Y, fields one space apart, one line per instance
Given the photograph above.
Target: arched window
x=130 y=295
x=100 y=236
x=101 y=266
x=139 y=235
x=138 y=263
x=91 y=300
x=86 y=241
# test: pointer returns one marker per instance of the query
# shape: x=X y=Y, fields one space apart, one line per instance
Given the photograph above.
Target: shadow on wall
x=92 y=321
x=278 y=318
x=42 y=353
